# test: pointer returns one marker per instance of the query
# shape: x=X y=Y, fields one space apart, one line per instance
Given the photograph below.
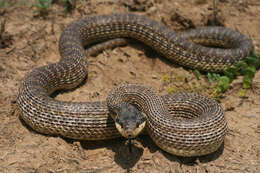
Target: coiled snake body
x=181 y=124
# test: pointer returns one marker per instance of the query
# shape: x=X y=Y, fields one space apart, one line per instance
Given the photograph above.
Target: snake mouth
x=130 y=131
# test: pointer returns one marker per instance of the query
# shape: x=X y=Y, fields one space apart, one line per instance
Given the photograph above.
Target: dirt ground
x=30 y=40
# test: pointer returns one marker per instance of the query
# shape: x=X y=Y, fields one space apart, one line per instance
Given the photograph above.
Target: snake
x=182 y=124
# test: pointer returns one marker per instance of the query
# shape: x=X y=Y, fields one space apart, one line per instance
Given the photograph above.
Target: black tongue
x=130 y=144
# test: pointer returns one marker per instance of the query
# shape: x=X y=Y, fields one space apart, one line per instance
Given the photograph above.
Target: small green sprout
x=186 y=79
x=171 y=90
x=42 y=4
x=242 y=93
x=223 y=84
x=197 y=74
x=247 y=68
x=166 y=78
x=3 y=3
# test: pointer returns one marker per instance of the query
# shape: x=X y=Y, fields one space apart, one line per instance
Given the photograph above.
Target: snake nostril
x=128 y=133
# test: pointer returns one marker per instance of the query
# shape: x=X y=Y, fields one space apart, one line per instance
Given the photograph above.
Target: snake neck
x=140 y=96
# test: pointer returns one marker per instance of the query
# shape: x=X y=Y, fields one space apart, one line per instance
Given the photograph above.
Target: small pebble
x=154 y=77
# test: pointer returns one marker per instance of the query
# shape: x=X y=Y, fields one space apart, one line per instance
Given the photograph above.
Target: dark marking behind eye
x=119 y=122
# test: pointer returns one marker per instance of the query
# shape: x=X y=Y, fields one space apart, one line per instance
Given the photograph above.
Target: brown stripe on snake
x=182 y=124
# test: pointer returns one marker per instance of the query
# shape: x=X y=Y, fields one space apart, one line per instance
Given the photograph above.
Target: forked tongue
x=130 y=144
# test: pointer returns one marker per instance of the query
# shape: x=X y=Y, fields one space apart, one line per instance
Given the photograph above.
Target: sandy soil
x=30 y=40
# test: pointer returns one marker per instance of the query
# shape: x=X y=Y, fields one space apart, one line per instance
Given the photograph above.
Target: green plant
x=171 y=90
x=242 y=93
x=247 y=68
x=223 y=84
x=186 y=79
x=42 y=4
x=213 y=77
x=166 y=79
x=197 y=74
x=3 y=3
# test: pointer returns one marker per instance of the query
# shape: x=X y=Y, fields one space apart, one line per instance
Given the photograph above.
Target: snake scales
x=181 y=124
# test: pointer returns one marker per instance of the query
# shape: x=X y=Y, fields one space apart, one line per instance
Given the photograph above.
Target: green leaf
x=166 y=78
x=223 y=84
x=232 y=70
x=42 y=4
x=250 y=71
x=210 y=77
x=186 y=79
x=253 y=61
x=37 y=5
x=171 y=90
x=216 y=76
x=231 y=73
x=242 y=93
x=213 y=77
x=197 y=74
x=3 y=3
x=241 y=65
x=247 y=82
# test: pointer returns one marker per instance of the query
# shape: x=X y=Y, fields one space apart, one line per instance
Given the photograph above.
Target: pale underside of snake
x=182 y=124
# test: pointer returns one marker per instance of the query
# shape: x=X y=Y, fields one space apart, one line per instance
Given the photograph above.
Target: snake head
x=129 y=120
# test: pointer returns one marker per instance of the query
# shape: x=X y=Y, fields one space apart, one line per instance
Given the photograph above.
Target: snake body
x=182 y=124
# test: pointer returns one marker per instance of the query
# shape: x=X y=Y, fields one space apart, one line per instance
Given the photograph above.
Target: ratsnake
x=184 y=124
